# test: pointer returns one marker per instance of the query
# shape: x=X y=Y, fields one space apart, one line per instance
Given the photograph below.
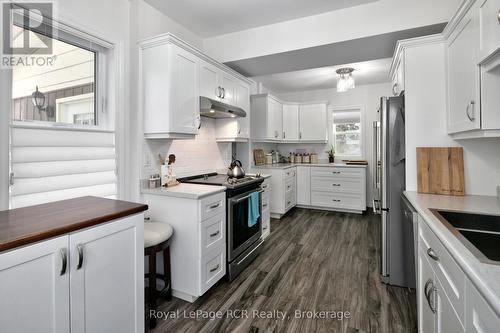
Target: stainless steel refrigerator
x=388 y=185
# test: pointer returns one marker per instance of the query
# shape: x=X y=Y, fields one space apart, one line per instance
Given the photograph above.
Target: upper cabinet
x=169 y=91
x=463 y=76
x=312 y=122
x=398 y=77
x=473 y=70
x=173 y=76
x=274 y=121
x=290 y=122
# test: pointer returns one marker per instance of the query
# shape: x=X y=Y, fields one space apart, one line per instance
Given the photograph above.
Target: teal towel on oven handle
x=253 y=209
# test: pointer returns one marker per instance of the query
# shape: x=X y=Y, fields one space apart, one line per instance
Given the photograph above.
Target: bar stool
x=157 y=239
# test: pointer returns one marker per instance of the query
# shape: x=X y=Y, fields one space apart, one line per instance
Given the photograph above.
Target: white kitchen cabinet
x=313 y=122
x=102 y=292
x=112 y=264
x=464 y=112
x=303 y=185
x=209 y=80
x=35 y=288
x=290 y=122
x=266 y=209
x=480 y=317
x=267 y=118
x=198 y=246
x=283 y=191
x=489 y=25
x=236 y=129
x=169 y=91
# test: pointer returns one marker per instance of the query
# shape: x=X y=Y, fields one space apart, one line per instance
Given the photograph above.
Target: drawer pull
x=215 y=206
x=264 y=186
x=432 y=254
x=430 y=290
x=215 y=233
x=79 y=248
x=264 y=228
x=335 y=184
x=264 y=205
x=64 y=259
x=336 y=172
x=289 y=202
x=336 y=200
x=215 y=268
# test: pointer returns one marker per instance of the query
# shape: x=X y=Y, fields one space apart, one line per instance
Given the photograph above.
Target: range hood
x=215 y=109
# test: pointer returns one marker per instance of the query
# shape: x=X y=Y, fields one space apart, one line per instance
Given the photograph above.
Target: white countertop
x=291 y=165
x=486 y=277
x=189 y=191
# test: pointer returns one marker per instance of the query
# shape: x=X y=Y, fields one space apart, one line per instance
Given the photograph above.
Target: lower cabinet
x=198 y=245
x=283 y=190
x=303 y=185
x=266 y=209
x=480 y=318
x=87 y=281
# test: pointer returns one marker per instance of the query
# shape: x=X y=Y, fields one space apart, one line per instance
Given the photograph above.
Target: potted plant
x=331 y=154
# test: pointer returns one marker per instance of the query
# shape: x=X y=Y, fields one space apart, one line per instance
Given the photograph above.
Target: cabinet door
x=447 y=319
x=34 y=288
x=426 y=317
x=242 y=91
x=274 y=120
x=228 y=84
x=312 y=122
x=209 y=81
x=290 y=122
x=107 y=277
x=304 y=185
x=184 y=110
x=463 y=76
x=489 y=18
x=480 y=317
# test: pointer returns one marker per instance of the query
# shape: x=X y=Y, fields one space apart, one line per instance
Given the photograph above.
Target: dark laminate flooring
x=313 y=261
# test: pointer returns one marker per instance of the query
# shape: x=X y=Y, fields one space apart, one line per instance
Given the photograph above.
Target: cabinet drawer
x=266 y=220
x=289 y=173
x=335 y=184
x=337 y=200
x=213 y=268
x=212 y=205
x=289 y=200
x=337 y=172
x=447 y=270
x=265 y=201
x=290 y=185
x=213 y=233
x=266 y=186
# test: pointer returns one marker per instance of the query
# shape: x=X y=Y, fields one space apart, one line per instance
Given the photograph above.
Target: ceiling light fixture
x=345 y=81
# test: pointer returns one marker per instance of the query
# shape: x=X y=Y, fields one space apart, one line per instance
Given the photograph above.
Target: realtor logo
x=25 y=30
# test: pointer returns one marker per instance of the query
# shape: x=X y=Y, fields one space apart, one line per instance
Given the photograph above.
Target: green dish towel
x=253 y=209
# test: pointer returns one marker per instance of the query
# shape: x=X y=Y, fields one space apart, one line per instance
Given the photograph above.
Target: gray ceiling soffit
x=356 y=50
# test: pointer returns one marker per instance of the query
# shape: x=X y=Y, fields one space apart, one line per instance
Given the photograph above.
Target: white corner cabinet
x=447 y=301
x=277 y=121
x=101 y=292
x=473 y=70
x=198 y=245
x=173 y=75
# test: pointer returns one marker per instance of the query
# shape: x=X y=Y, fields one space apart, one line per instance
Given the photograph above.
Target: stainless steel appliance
x=388 y=185
x=214 y=109
x=243 y=241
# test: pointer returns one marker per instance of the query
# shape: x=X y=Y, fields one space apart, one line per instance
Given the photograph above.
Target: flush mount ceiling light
x=345 y=81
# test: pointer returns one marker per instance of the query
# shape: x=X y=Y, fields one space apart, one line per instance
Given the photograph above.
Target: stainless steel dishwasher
x=410 y=235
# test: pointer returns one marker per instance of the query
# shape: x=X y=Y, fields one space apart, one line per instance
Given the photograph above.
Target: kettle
x=235 y=170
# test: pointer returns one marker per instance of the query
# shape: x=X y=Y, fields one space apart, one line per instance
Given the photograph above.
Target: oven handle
x=234 y=202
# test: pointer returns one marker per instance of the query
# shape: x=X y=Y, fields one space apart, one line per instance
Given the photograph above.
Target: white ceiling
x=209 y=18
x=368 y=72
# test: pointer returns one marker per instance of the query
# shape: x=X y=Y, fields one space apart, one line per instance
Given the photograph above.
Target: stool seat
x=156 y=233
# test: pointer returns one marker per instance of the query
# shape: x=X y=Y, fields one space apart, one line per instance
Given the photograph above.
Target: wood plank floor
x=313 y=261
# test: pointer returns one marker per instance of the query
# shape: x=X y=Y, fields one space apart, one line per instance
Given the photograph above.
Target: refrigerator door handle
x=384 y=269
x=374 y=154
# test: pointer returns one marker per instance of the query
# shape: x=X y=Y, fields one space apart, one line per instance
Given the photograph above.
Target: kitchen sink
x=479 y=233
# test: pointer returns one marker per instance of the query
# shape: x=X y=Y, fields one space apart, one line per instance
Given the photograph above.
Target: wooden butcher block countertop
x=31 y=224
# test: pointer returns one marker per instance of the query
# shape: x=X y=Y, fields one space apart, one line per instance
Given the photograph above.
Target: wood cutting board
x=440 y=170
x=259 y=157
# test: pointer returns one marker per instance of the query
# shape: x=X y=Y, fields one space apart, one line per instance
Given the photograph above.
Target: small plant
x=331 y=154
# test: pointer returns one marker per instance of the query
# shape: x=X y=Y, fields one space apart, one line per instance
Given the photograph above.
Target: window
x=347 y=132
x=69 y=86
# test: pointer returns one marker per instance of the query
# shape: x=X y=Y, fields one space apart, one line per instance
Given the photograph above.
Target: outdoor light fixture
x=345 y=81
x=38 y=99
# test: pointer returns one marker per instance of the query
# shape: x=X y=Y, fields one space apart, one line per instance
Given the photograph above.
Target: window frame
x=349 y=108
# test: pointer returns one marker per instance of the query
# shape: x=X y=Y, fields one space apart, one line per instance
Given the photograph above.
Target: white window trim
x=331 y=134
x=117 y=54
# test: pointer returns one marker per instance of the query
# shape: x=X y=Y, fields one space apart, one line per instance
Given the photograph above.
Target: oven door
x=240 y=234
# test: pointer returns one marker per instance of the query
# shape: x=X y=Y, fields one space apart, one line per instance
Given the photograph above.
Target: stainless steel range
x=243 y=241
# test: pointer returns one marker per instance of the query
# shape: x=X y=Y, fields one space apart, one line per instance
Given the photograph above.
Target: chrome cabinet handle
x=219 y=92
x=470 y=106
x=264 y=186
x=432 y=254
x=264 y=228
x=284 y=135
x=215 y=233
x=498 y=16
x=275 y=134
x=64 y=259
x=215 y=206
x=430 y=290
x=394 y=87
x=336 y=200
x=264 y=205
x=215 y=268
x=300 y=135
x=223 y=93
x=336 y=172
x=79 y=248
x=335 y=184
x=289 y=202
